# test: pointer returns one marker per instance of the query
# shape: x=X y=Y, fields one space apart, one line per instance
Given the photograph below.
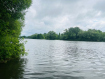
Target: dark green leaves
x=75 y=34
x=11 y=22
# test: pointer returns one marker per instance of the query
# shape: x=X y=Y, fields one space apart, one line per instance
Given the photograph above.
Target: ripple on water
x=52 y=59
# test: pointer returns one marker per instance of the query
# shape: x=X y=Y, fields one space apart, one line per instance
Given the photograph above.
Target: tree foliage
x=11 y=22
x=73 y=34
x=51 y=35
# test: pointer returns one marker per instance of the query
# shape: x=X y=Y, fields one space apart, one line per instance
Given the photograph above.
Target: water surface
x=56 y=59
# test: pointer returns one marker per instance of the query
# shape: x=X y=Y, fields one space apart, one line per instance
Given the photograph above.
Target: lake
x=58 y=59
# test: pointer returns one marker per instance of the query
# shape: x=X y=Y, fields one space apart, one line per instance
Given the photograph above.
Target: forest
x=73 y=34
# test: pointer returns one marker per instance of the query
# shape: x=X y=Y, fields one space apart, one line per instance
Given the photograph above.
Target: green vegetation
x=75 y=34
x=11 y=22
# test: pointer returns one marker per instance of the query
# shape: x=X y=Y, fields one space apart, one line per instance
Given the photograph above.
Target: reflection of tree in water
x=72 y=50
x=13 y=69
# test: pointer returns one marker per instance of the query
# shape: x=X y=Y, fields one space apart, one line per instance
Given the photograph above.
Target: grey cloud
x=100 y=6
x=54 y=8
x=57 y=15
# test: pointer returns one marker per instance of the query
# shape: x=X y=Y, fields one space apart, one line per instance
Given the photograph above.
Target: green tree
x=11 y=22
x=34 y=36
x=71 y=33
x=51 y=35
x=40 y=36
x=103 y=35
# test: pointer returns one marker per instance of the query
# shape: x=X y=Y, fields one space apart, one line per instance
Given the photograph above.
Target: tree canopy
x=73 y=33
x=11 y=22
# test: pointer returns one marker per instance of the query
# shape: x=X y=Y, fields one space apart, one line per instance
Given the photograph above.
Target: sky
x=57 y=15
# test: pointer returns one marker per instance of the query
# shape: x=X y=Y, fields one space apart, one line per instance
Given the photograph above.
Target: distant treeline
x=75 y=34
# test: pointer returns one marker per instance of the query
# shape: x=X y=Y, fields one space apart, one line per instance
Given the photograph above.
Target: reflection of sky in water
x=65 y=59
x=54 y=59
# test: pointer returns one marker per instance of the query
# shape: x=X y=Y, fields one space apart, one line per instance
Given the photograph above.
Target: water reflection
x=60 y=77
x=14 y=69
x=52 y=59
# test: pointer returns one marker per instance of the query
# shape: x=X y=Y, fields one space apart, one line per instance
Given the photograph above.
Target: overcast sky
x=58 y=15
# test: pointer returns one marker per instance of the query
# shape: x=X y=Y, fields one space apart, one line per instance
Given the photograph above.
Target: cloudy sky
x=58 y=15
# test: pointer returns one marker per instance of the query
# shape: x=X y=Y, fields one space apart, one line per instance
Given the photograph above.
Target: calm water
x=54 y=59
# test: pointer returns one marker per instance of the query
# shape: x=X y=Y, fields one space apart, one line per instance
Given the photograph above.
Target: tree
x=103 y=39
x=11 y=22
x=76 y=31
x=71 y=33
x=40 y=36
x=51 y=35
